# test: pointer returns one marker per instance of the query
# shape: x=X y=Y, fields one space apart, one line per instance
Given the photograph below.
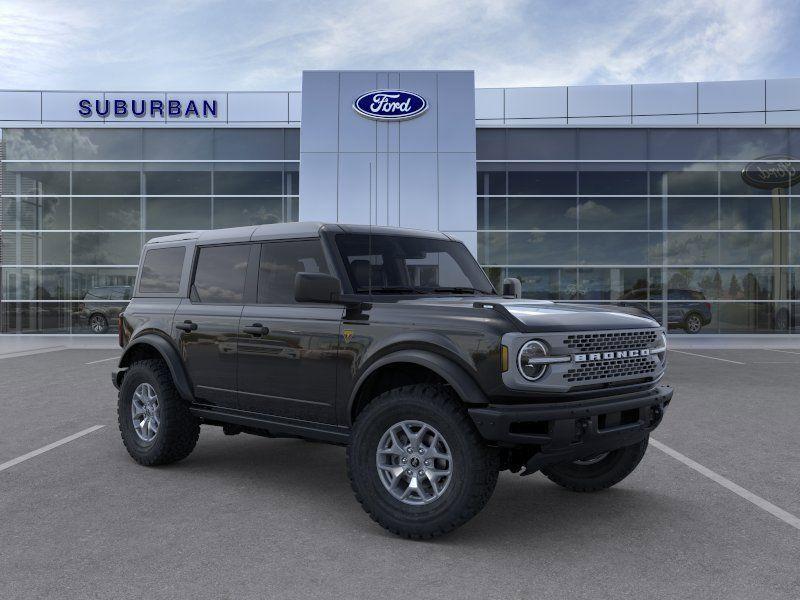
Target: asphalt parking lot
x=248 y=517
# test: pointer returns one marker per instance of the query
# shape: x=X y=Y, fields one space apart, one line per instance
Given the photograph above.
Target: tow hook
x=656 y=414
x=581 y=425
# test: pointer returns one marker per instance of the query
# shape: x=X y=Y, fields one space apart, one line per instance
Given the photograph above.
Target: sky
x=207 y=45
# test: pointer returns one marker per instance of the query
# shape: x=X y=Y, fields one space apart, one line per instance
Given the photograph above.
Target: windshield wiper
x=459 y=290
x=392 y=289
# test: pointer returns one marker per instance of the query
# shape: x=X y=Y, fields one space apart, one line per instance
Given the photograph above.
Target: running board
x=273 y=425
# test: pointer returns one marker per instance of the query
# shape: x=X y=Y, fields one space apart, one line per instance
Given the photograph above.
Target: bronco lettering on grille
x=611 y=355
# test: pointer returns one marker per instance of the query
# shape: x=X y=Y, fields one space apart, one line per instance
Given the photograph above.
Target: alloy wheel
x=145 y=412
x=414 y=462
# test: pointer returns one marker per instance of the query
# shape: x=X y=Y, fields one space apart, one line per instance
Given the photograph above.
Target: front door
x=288 y=351
x=207 y=323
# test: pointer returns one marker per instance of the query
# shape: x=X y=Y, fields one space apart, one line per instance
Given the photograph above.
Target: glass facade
x=659 y=218
x=77 y=205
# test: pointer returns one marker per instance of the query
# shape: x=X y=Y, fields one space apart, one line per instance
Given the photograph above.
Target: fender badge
x=348 y=335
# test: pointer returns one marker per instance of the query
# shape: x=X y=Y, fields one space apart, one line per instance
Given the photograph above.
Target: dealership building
x=675 y=197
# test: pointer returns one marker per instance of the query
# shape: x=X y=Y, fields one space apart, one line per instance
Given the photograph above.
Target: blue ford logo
x=390 y=105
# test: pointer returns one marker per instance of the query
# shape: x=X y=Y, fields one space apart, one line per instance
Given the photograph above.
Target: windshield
x=391 y=264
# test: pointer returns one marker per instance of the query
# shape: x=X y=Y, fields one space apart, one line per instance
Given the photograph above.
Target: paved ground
x=247 y=517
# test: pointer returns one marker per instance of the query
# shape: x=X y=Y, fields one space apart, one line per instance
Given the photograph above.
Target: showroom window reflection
x=609 y=215
x=74 y=228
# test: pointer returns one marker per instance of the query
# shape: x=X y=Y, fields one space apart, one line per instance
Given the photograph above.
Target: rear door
x=288 y=351
x=207 y=322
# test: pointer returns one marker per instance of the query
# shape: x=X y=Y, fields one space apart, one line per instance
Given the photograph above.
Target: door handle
x=256 y=329
x=186 y=326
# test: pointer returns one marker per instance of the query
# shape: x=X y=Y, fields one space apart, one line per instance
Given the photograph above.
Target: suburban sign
x=148 y=107
x=770 y=172
x=390 y=105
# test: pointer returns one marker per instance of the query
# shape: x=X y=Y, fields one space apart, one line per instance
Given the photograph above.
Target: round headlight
x=527 y=357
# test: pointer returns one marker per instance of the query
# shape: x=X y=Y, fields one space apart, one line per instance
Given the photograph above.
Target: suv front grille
x=612 y=340
x=616 y=369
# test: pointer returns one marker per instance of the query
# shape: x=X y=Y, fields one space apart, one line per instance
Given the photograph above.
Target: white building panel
x=246 y=107
x=356 y=134
x=489 y=103
x=357 y=175
x=20 y=106
x=419 y=134
x=672 y=120
x=741 y=118
x=319 y=183
x=295 y=106
x=457 y=208
x=580 y=121
x=536 y=122
x=454 y=135
x=536 y=103
x=783 y=94
x=664 y=98
x=320 y=130
x=599 y=100
x=419 y=191
x=784 y=117
x=731 y=96
x=63 y=106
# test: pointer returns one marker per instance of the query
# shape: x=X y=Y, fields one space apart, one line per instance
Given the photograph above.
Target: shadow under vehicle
x=100 y=308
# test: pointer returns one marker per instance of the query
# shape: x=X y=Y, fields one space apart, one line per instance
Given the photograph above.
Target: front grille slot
x=611 y=340
x=617 y=369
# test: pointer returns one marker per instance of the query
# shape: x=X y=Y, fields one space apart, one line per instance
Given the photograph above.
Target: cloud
x=212 y=44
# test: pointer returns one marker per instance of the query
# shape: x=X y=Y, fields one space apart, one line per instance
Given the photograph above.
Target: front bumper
x=566 y=431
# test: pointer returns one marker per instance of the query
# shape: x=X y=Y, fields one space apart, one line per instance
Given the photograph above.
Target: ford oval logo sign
x=770 y=172
x=390 y=105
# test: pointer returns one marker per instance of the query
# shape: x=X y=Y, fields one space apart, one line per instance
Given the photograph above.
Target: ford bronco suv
x=395 y=344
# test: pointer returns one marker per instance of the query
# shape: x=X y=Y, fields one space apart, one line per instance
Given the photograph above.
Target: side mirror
x=316 y=287
x=512 y=287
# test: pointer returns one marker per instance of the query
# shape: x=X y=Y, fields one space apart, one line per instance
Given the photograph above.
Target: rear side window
x=220 y=274
x=280 y=262
x=161 y=271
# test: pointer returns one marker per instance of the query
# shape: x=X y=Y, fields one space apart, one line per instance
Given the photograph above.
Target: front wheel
x=597 y=472
x=417 y=464
x=98 y=323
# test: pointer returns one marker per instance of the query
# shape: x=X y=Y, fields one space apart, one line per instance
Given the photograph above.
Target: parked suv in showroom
x=101 y=306
x=686 y=309
x=395 y=344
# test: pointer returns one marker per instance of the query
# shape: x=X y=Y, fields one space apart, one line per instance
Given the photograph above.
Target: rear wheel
x=693 y=323
x=416 y=463
x=597 y=472
x=156 y=425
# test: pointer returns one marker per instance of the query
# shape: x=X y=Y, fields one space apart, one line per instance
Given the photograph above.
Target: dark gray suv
x=395 y=344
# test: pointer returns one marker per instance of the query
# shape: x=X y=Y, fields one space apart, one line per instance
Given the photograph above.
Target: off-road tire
x=591 y=478
x=178 y=429
x=475 y=465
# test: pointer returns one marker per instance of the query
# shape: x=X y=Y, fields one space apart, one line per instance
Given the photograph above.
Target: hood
x=543 y=315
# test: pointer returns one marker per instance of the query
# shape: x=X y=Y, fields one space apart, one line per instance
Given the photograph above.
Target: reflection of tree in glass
x=734 y=289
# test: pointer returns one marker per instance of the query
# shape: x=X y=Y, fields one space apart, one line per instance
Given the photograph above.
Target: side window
x=161 y=270
x=280 y=262
x=220 y=274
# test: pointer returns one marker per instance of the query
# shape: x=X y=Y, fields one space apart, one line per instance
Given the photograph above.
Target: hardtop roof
x=287 y=231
